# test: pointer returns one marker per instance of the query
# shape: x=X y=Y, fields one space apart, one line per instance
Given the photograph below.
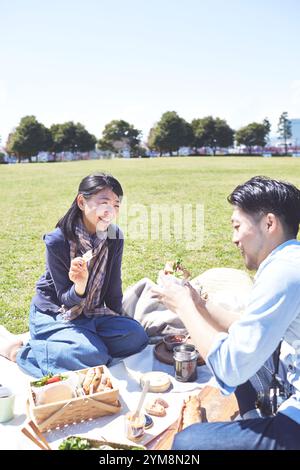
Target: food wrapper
x=61 y=390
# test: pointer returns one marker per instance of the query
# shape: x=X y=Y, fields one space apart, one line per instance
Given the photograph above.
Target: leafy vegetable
x=179 y=270
x=75 y=443
x=48 y=379
x=81 y=443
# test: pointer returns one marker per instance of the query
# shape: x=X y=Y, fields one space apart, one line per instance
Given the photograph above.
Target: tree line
x=168 y=135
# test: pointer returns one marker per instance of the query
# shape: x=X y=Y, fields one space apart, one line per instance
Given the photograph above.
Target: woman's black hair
x=89 y=186
x=261 y=195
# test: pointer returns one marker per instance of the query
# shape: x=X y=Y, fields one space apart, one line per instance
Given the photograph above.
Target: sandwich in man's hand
x=176 y=269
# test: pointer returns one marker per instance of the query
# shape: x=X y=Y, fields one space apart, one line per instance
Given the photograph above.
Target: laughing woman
x=76 y=315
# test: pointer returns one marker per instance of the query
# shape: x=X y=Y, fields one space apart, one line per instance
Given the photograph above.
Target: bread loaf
x=190 y=412
x=58 y=391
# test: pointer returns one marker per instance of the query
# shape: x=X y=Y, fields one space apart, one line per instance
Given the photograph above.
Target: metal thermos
x=185 y=362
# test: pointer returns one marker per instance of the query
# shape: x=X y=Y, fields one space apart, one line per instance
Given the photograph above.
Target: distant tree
x=29 y=138
x=2 y=155
x=253 y=134
x=156 y=139
x=170 y=133
x=213 y=133
x=8 y=144
x=85 y=140
x=284 y=129
x=119 y=135
x=71 y=137
x=140 y=151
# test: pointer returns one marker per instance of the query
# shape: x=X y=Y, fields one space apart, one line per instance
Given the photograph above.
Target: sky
x=92 y=61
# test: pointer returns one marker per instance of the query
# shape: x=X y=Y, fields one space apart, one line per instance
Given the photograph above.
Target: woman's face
x=99 y=210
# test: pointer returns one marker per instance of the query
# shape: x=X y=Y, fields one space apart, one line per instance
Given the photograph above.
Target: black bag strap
x=276 y=385
x=276 y=356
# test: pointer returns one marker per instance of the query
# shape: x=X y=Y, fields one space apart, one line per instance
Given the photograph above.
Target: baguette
x=190 y=412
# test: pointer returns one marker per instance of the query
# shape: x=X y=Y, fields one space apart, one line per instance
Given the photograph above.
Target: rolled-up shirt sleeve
x=236 y=356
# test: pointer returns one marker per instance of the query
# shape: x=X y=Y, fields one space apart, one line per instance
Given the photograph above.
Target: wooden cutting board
x=214 y=407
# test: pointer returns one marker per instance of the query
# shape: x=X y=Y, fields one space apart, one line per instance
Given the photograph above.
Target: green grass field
x=34 y=197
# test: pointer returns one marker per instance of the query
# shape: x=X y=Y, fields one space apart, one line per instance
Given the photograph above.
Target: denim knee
x=138 y=338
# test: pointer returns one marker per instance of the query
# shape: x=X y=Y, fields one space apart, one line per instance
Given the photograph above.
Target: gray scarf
x=90 y=305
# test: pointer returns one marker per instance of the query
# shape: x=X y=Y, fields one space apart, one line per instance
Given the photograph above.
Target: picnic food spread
x=53 y=388
x=82 y=395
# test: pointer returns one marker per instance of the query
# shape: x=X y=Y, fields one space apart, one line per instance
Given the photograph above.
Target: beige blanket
x=226 y=286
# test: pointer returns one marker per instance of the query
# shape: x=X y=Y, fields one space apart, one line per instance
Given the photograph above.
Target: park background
x=94 y=62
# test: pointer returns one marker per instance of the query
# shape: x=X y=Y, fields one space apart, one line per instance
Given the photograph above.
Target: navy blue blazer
x=54 y=288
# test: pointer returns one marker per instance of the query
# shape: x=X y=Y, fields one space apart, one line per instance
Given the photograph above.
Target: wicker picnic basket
x=82 y=408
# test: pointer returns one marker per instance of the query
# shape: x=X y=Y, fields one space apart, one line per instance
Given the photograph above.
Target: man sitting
x=243 y=352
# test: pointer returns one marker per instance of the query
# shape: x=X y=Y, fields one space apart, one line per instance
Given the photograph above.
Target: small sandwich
x=88 y=255
x=177 y=269
x=96 y=380
x=156 y=407
x=87 y=383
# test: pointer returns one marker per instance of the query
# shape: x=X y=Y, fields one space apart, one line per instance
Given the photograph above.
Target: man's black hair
x=261 y=195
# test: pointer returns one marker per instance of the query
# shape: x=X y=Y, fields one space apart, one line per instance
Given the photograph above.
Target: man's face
x=249 y=236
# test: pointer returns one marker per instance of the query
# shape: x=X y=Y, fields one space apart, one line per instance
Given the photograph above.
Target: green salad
x=48 y=379
x=82 y=443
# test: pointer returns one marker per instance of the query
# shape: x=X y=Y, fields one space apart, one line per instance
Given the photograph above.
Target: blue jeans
x=56 y=346
x=273 y=433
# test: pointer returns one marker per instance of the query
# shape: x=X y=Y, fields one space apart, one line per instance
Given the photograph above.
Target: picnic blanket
x=127 y=373
x=229 y=287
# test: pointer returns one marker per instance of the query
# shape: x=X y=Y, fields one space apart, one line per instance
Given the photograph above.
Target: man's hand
x=191 y=307
x=175 y=297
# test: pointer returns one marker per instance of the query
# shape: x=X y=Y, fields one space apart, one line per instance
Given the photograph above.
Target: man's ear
x=80 y=201
x=271 y=222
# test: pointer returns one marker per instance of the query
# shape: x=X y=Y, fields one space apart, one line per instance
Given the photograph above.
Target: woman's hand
x=79 y=274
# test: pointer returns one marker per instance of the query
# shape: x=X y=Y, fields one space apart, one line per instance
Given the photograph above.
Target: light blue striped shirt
x=273 y=313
